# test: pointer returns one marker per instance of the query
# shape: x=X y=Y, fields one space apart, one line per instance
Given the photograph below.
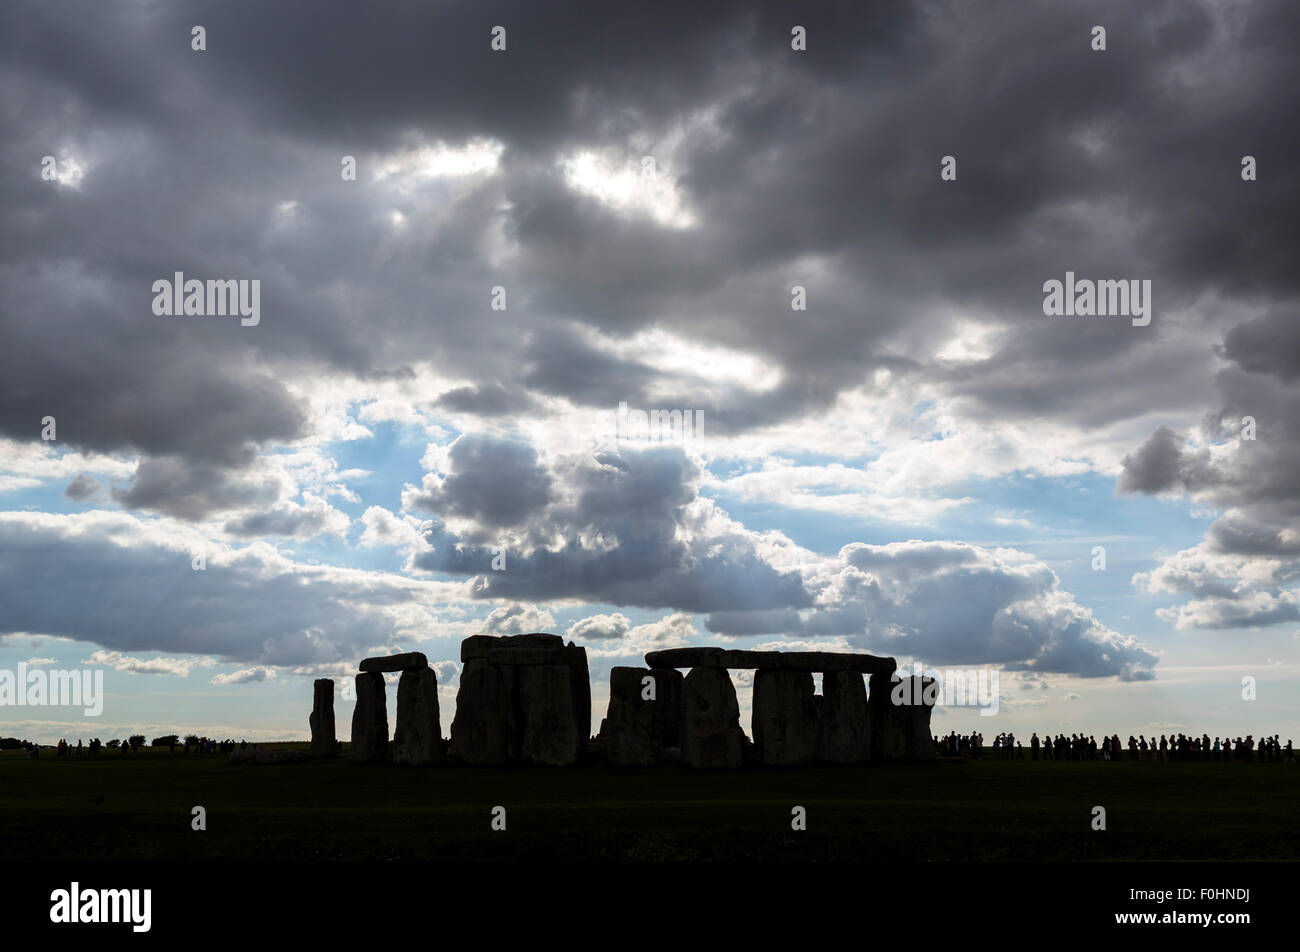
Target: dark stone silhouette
x=527 y=699
x=418 y=737
x=411 y=661
x=900 y=731
x=322 y=718
x=638 y=731
x=711 y=734
x=780 y=660
x=844 y=719
x=785 y=717
x=370 y=720
x=480 y=731
x=522 y=698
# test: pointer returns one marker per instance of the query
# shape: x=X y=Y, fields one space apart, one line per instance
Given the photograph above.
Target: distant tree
x=166 y=740
x=191 y=740
x=136 y=740
x=113 y=743
x=10 y=743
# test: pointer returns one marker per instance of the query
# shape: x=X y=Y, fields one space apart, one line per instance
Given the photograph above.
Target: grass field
x=51 y=809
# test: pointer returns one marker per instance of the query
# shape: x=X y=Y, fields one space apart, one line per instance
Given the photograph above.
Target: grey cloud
x=600 y=628
x=488 y=400
x=301 y=522
x=633 y=508
x=1269 y=344
x=953 y=604
x=82 y=488
x=850 y=180
x=1155 y=466
x=497 y=481
x=107 y=580
x=178 y=487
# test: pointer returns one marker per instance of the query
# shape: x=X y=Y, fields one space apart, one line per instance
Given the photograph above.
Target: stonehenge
x=418 y=738
x=526 y=699
x=522 y=699
x=792 y=724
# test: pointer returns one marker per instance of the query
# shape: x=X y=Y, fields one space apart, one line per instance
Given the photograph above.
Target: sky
x=832 y=259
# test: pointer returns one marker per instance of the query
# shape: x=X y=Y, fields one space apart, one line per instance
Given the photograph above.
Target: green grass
x=334 y=810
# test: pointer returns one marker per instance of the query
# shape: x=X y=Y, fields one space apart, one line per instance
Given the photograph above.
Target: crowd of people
x=1081 y=747
x=131 y=745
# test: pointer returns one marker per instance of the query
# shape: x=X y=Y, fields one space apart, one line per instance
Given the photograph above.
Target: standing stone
x=785 y=716
x=637 y=731
x=914 y=720
x=322 y=718
x=844 y=734
x=575 y=657
x=667 y=727
x=370 y=720
x=480 y=731
x=550 y=726
x=711 y=734
x=418 y=737
x=900 y=731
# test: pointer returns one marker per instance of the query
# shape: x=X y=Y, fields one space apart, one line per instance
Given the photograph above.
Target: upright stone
x=711 y=734
x=480 y=731
x=322 y=718
x=550 y=726
x=641 y=724
x=370 y=720
x=900 y=719
x=785 y=716
x=914 y=720
x=575 y=656
x=418 y=737
x=667 y=725
x=844 y=734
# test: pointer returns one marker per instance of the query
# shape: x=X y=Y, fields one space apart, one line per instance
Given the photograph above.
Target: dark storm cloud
x=630 y=535
x=1267 y=345
x=496 y=481
x=817 y=168
x=105 y=578
x=832 y=154
x=561 y=363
